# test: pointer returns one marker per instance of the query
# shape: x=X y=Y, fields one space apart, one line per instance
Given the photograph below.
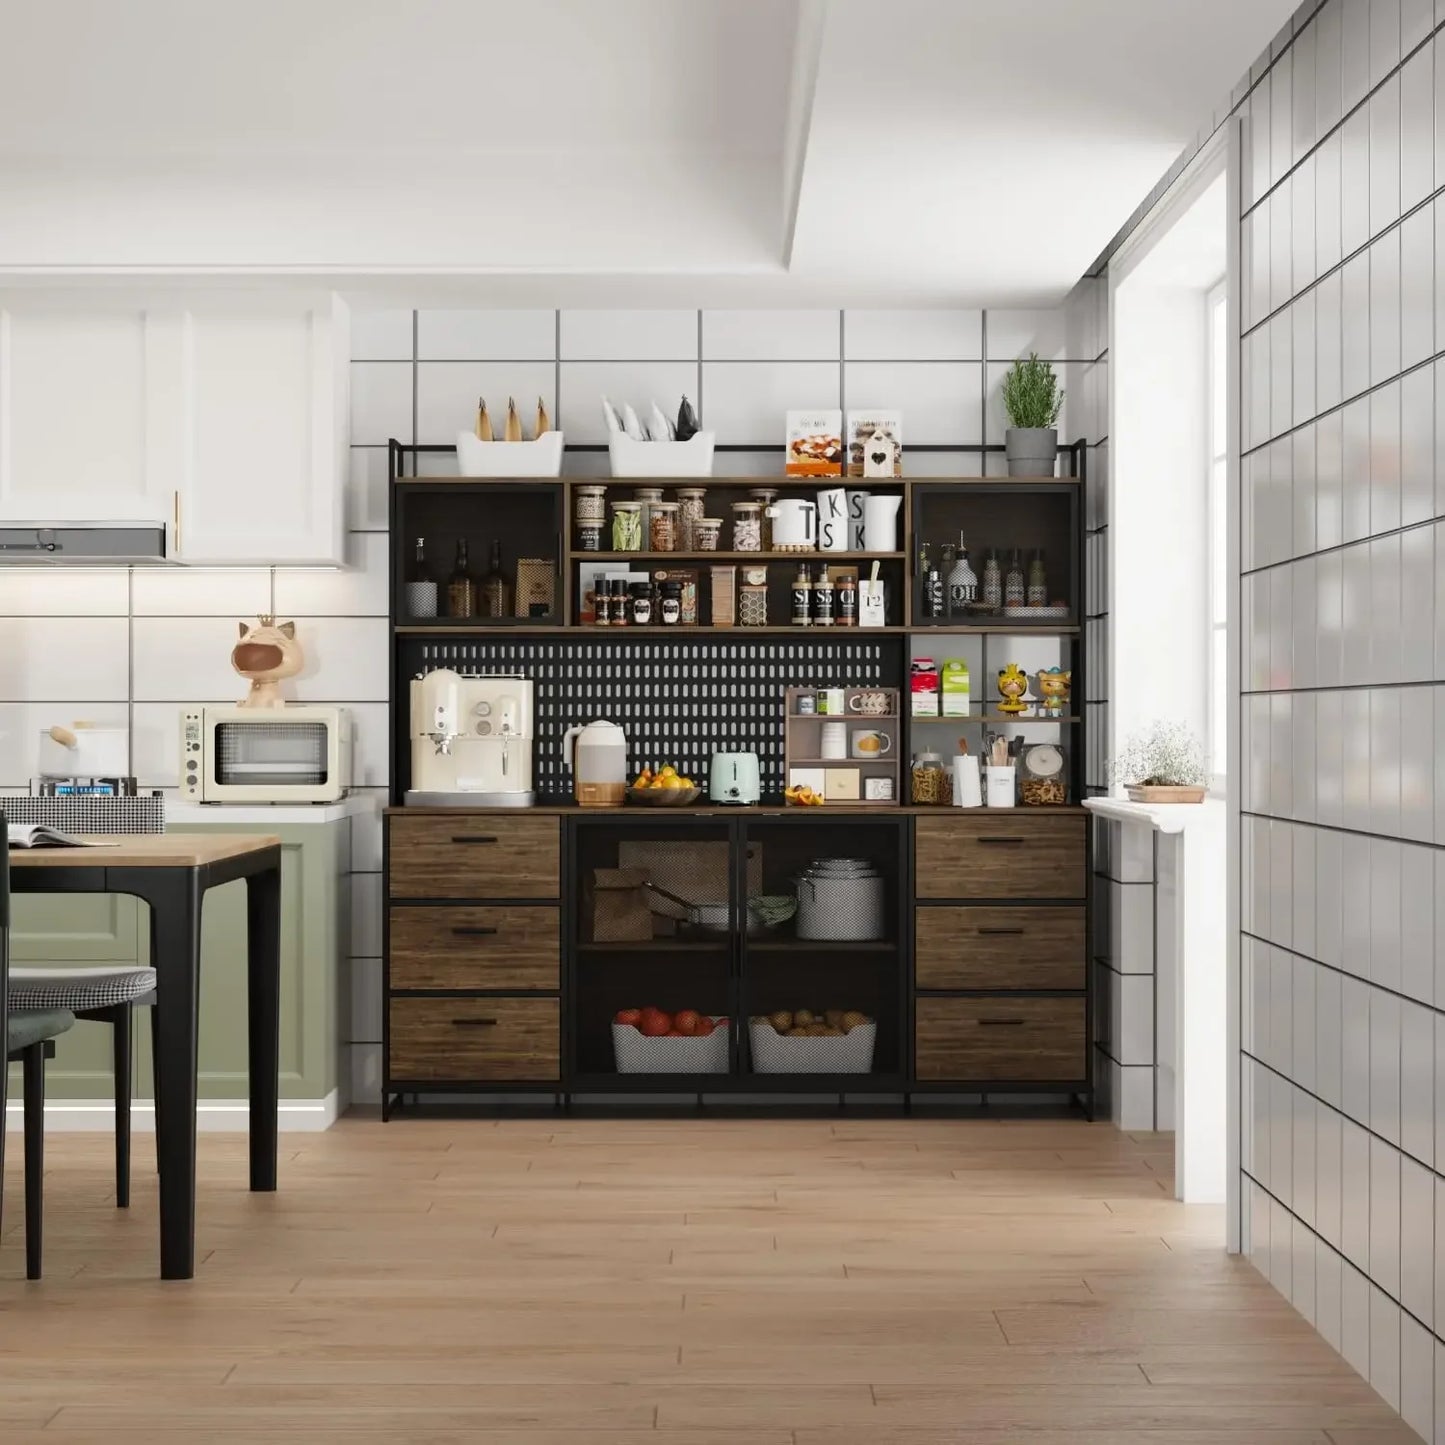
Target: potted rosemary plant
x=1032 y=397
x=1164 y=764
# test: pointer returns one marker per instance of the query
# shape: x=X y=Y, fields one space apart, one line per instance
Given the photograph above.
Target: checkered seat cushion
x=78 y=989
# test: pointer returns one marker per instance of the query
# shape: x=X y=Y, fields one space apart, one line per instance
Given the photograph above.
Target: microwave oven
x=295 y=754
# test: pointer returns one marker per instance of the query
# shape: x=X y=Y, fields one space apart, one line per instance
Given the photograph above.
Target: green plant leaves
x=1032 y=396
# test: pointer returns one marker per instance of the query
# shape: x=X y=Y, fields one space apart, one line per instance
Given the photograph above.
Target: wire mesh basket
x=775 y=1053
x=637 y=1053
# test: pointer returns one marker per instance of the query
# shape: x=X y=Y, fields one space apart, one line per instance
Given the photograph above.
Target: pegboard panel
x=678 y=701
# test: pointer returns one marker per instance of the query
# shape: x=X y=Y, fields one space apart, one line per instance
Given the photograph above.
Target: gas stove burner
x=83 y=788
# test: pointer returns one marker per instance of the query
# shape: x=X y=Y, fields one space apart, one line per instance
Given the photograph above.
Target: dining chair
x=29 y=1040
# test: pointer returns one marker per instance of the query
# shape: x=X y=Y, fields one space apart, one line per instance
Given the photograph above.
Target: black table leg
x=175 y=903
x=120 y=1048
x=263 y=952
x=33 y=1082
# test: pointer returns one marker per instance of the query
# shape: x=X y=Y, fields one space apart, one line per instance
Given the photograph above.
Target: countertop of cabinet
x=723 y=811
x=1166 y=817
x=257 y=815
x=146 y=850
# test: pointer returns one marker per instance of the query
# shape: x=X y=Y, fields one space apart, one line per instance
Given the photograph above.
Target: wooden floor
x=565 y=1281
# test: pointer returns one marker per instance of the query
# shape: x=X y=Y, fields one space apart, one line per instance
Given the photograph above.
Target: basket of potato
x=832 y=1041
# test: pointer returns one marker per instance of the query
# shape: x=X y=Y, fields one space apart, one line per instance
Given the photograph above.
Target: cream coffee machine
x=471 y=741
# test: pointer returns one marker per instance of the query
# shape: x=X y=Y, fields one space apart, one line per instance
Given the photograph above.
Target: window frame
x=1216 y=499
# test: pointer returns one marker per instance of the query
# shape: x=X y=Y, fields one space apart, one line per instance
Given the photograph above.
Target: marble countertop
x=1165 y=817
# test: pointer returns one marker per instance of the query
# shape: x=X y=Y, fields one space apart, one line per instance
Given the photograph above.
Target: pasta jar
x=627 y=526
x=753 y=597
x=692 y=501
x=765 y=497
x=929 y=779
x=662 y=526
x=706 y=534
x=747 y=526
x=590 y=505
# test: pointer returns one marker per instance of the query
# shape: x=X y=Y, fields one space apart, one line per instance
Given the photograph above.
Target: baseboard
x=213 y=1116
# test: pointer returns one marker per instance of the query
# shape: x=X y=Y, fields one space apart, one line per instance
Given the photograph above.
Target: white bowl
x=540 y=458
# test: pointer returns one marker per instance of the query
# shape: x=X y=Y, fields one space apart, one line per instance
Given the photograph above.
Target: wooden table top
x=146 y=850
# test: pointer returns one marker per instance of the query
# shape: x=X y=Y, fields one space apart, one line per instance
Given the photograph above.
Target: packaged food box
x=953 y=682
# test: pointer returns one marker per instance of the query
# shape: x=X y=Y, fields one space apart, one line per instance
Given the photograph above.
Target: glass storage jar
x=747 y=526
x=706 y=534
x=929 y=779
x=648 y=496
x=590 y=506
x=692 y=502
x=662 y=526
x=627 y=526
x=765 y=497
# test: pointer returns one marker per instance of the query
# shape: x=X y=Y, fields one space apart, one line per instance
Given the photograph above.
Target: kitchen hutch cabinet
x=498 y=977
x=221 y=415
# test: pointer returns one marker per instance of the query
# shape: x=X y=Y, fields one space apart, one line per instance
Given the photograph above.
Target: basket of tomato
x=651 y=1041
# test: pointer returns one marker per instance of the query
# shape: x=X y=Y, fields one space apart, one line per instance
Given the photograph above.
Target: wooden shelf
x=870 y=717
x=887 y=758
x=998 y=717
x=758 y=559
x=792 y=942
x=661 y=945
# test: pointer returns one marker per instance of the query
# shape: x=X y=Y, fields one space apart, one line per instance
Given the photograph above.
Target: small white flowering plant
x=1165 y=755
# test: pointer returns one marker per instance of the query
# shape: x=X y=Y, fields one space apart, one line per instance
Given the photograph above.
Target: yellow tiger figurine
x=1013 y=683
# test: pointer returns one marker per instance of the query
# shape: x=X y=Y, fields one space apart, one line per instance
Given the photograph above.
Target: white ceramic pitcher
x=880 y=523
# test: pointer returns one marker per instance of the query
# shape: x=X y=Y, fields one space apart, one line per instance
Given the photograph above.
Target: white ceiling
x=583 y=152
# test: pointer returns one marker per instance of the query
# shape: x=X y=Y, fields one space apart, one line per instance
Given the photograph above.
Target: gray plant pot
x=1032 y=450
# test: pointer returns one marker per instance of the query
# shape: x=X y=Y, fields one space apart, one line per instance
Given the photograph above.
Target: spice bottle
x=846 y=603
x=822 y=598
x=671 y=604
x=802 y=595
x=640 y=604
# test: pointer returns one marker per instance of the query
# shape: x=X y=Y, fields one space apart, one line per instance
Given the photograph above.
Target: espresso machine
x=471 y=741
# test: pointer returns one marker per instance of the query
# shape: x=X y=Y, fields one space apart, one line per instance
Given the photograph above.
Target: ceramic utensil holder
x=1000 y=787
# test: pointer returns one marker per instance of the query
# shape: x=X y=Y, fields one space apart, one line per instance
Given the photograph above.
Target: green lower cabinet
x=54 y=930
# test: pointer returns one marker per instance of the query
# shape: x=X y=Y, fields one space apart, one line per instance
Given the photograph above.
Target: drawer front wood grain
x=986 y=947
x=468 y=857
x=1000 y=857
x=475 y=947
x=474 y=1040
x=987 y=1040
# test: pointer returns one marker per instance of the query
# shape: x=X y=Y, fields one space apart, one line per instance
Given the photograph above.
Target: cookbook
x=875 y=443
x=815 y=444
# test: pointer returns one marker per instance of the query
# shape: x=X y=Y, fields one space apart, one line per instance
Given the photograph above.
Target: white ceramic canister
x=833 y=520
x=880 y=523
x=856 y=502
x=795 y=525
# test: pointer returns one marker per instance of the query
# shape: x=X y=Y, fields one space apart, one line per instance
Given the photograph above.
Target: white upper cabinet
x=79 y=439
x=222 y=415
x=265 y=398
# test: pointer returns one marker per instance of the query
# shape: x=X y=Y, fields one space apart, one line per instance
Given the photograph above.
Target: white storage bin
x=540 y=458
x=775 y=1053
x=636 y=1053
x=692 y=458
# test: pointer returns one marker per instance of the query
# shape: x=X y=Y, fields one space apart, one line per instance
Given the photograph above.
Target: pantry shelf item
x=724 y=596
x=536 y=587
x=627 y=526
x=766 y=496
x=1053 y=686
x=706 y=533
x=662 y=526
x=841 y=1052
x=841 y=900
x=875 y=443
x=753 y=597
x=814 y=446
x=928 y=782
x=420 y=591
x=880 y=522
x=541 y=457
x=692 y=457
x=747 y=526
x=672 y=1051
x=691 y=504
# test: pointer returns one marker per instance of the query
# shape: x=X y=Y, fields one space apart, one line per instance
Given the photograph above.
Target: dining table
x=172 y=873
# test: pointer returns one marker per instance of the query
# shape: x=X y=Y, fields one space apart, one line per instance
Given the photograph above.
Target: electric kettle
x=597 y=755
x=733 y=778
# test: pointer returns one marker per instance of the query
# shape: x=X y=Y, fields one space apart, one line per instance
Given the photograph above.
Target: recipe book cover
x=875 y=443
x=815 y=444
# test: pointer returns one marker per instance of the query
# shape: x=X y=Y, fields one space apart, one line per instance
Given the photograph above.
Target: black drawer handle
x=467 y=930
x=998 y=932
x=475 y=838
x=1000 y=1023
x=474 y=1023
x=1004 y=842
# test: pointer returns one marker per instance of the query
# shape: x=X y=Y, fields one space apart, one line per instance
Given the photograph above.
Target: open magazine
x=37 y=835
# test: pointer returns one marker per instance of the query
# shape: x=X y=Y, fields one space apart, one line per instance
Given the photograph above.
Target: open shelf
x=758 y=559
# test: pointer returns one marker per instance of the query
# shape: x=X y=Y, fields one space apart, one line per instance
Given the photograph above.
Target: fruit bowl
x=664 y=797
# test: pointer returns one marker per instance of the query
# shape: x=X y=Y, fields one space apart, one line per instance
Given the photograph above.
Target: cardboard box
x=841 y=784
x=814 y=778
x=954 y=687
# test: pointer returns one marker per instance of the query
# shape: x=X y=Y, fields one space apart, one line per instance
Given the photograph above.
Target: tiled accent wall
x=416 y=376
x=1343 y=603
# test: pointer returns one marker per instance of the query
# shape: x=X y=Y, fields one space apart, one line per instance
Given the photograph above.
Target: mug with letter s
x=871 y=745
x=833 y=520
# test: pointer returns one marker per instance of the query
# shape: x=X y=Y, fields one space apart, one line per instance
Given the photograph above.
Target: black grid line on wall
x=678 y=701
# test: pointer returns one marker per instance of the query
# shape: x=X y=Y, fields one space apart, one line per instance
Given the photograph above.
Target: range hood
x=87 y=544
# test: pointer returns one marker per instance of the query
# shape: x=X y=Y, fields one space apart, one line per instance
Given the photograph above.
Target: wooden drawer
x=475 y=947
x=1000 y=856
x=471 y=857
x=993 y=1040
x=474 y=1040
x=984 y=947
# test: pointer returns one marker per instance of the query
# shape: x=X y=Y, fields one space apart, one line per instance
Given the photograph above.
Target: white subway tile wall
x=1343 y=614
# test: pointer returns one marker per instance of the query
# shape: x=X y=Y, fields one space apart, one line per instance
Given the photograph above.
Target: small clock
x=1043 y=760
